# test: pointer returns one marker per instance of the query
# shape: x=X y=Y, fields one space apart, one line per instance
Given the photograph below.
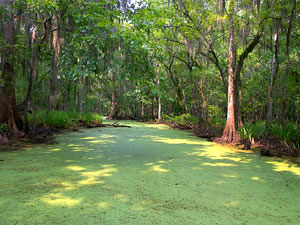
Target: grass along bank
x=43 y=126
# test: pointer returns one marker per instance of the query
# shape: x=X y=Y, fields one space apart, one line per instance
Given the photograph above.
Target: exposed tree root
x=3 y=139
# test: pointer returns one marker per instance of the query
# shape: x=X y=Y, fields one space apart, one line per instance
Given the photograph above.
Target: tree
x=230 y=133
x=8 y=106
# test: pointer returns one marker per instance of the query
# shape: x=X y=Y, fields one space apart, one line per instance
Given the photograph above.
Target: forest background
x=230 y=67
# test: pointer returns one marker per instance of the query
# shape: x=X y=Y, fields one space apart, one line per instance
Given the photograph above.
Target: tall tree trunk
x=143 y=108
x=237 y=75
x=81 y=95
x=76 y=98
x=113 y=108
x=287 y=68
x=56 y=52
x=34 y=45
x=274 y=72
x=159 y=102
x=230 y=134
x=184 y=95
x=8 y=107
x=204 y=103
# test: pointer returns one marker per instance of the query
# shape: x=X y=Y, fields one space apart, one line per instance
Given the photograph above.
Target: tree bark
x=204 y=113
x=237 y=75
x=3 y=139
x=184 y=95
x=56 y=53
x=81 y=94
x=8 y=106
x=34 y=45
x=143 y=108
x=113 y=108
x=159 y=102
x=230 y=134
x=274 y=72
x=287 y=68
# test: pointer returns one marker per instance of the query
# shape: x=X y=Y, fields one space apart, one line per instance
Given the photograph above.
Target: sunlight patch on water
x=157 y=126
x=157 y=168
x=107 y=136
x=285 y=167
x=229 y=175
x=256 y=179
x=163 y=161
x=68 y=186
x=233 y=203
x=121 y=198
x=88 y=138
x=55 y=150
x=175 y=141
x=220 y=164
x=92 y=177
x=75 y=168
x=58 y=199
x=97 y=142
x=103 y=205
x=69 y=161
x=73 y=145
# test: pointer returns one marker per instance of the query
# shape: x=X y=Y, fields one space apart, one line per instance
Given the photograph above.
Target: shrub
x=91 y=117
x=245 y=133
x=57 y=119
x=250 y=130
x=186 y=120
x=258 y=129
x=289 y=134
x=64 y=119
x=4 y=127
x=217 y=122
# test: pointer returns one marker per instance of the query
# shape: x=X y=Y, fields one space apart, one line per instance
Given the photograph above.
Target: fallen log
x=115 y=124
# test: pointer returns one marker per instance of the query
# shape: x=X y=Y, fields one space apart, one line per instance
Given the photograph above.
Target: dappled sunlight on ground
x=146 y=174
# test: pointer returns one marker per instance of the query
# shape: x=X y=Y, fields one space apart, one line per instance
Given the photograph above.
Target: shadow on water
x=146 y=174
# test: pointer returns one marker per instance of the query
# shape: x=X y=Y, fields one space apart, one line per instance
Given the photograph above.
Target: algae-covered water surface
x=147 y=174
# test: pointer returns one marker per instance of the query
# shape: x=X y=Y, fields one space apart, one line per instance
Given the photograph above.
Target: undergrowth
x=288 y=134
x=253 y=130
x=63 y=119
x=4 y=128
x=184 y=120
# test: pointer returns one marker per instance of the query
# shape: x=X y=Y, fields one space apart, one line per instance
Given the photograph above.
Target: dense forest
x=232 y=66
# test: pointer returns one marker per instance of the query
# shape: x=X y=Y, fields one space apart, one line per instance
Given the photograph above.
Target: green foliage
x=258 y=129
x=64 y=119
x=4 y=127
x=245 y=133
x=218 y=123
x=214 y=111
x=250 y=130
x=289 y=134
x=186 y=120
x=88 y=117
x=57 y=119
